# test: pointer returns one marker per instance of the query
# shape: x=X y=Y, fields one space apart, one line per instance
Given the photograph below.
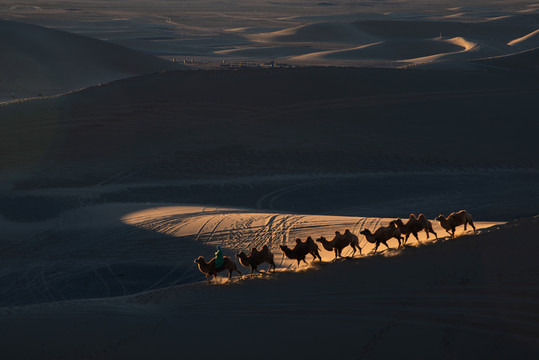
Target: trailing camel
x=301 y=250
x=256 y=258
x=210 y=269
x=455 y=219
x=339 y=242
x=414 y=226
x=382 y=235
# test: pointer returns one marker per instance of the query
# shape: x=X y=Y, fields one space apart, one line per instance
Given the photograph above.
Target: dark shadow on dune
x=93 y=263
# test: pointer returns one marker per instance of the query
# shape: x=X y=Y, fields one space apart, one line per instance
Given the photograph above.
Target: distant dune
x=36 y=60
x=388 y=43
x=391 y=50
x=318 y=32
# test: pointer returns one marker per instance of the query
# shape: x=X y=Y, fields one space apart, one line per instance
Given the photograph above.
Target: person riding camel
x=219 y=261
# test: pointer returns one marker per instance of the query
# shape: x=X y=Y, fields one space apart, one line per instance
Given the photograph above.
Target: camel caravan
x=396 y=229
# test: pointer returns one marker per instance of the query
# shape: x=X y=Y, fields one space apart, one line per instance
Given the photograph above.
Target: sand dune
x=402 y=50
x=336 y=32
x=37 y=60
x=388 y=42
x=142 y=247
x=265 y=53
x=289 y=109
x=456 y=296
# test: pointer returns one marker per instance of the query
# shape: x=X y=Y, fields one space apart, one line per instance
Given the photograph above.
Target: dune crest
x=523 y=38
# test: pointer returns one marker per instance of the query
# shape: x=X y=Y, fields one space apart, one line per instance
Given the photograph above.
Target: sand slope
x=472 y=294
x=38 y=60
x=311 y=120
x=123 y=248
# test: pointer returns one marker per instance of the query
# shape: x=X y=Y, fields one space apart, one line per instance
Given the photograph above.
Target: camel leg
x=473 y=226
x=376 y=246
x=453 y=234
x=353 y=252
x=406 y=238
x=416 y=237
x=208 y=277
x=385 y=243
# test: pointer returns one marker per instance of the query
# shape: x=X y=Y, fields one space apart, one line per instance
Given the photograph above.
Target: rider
x=219 y=261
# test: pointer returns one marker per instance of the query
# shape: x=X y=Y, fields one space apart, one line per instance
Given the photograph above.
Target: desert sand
x=137 y=136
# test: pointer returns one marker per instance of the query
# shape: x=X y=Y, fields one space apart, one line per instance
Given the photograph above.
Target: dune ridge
x=524 y=38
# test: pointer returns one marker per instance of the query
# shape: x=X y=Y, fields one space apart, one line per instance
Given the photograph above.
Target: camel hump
x=265 y=250
x=412 y=217
x=422 y=217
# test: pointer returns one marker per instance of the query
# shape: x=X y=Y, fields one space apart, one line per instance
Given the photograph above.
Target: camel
x=414 y=225
x=455 y=219
x=210 y=270
x=301 y=250
x=382 y=235
x=256 y=258
x=339 y=242
x=311 y=248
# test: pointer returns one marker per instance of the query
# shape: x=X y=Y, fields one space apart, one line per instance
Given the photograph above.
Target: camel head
x=200 y=260
x=440 y=217
x=365 y=232
x=288 y=252
x=321 y=239
x=241 y=255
